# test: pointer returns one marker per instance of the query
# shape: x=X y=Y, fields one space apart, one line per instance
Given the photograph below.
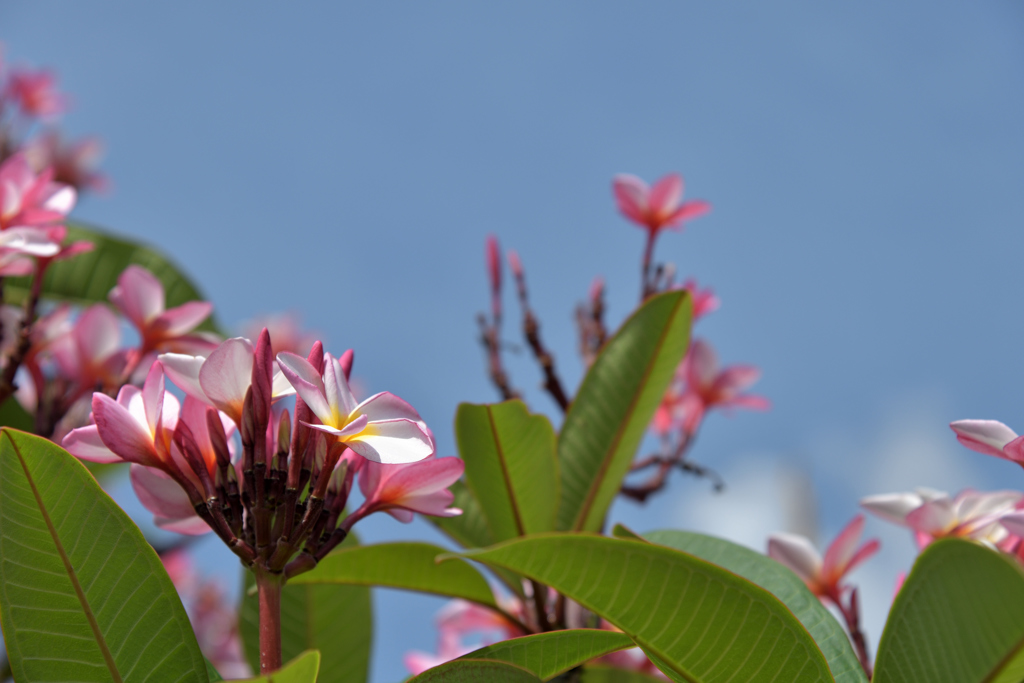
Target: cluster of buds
x=272 y=484
x=29 y=104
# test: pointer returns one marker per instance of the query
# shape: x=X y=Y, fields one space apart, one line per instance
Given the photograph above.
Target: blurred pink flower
x=933 y=514
x=35 y=93
x=824 y=576
x=401 y=490
x=286 y=333
x=90 y=355
x=658 y=207
x=990 y=437
x=30 y=200
x=139 y=296
x=455 y=622
x=73 y=163
x=704 y=300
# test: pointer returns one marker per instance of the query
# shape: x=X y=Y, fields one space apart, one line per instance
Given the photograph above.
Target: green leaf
x=549 y=654
x=959 y=618
x=615 y=404
x=88 y=278
x=302 y=669
x=611 y=674
x=12 y=414
x=510 y=466
x=703 y=622
x=335 y=619
x=401 y=565
x=476 y=671
x=469 y=529
x=780 y=582
x=212 y=672
x=83 y=596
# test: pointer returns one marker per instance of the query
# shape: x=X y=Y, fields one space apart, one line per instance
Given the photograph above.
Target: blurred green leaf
x=611 y=674
x=83 y=596
x=476 y=671
x=12 y=414
x=335 y=619
x=401 y=565
x=615 y=404
x=959 y=618
x=88 y=278
x=302 y=669
x=510 y=465
x=212 y=672
x=780 y=582
x=703 y=622
x=549 y=654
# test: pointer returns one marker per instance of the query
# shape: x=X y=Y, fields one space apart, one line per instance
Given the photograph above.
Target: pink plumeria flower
x=221 y=379
x=286 y=333
x=401 y=490
x=658 y=207
x=990 y=437
x=824 y=576
x=36 y=93
x=30 y=200
x=139 y=296
x=704 y=300
x=449 y=647
x=91 y=353
x=459 y=619
x=73 y=163
x=383 y=428
x=933 y=514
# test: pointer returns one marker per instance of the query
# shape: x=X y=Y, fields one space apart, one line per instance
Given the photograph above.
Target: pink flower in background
x=704 y=300
x=91 y=355
x=990 y=437
x=139 y=296
x=824 y=575
x=401 y=490
x=658 y=207
x=286 y=333
x=933 y=514
x=460 y=619
x=213 y=615
x=35 y=93
x=73 y=163
x=30 y=200
x=383 y=428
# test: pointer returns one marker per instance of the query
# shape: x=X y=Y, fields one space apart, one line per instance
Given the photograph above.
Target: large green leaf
x=780 y=582
x=703 y=622
x=959 y=618
x=83 y=596
x=611 y=674
x=510 y=466
x=476 y=671
x=401 y=565
x=88 y=278
x=615 y=404
x=302 y=669
x=337 y=620
x=549 y=654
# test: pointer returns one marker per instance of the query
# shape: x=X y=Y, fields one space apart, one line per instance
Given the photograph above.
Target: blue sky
x=864 y=163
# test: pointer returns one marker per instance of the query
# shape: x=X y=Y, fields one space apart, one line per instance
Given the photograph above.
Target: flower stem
x=269 y=588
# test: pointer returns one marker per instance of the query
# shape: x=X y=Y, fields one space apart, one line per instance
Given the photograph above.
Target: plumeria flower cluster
x=68 y=357
x=29 y=105
x=273 y=484
x=825 y=576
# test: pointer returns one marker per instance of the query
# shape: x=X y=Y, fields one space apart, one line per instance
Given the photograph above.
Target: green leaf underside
x=611 y=674
x=705 y=623
x=88 y=278
x=476 y=671
x=959 y=618
x=614 y=405
x=549 y=654
x=302 y=669
x=401 y=565
x=510 y=466
x=83 y=596
x=335 y=619
x=780 y=582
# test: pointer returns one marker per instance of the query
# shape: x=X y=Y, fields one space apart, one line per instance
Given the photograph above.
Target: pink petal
x=182 y=319
x=188 y=526
x=425 y=477
x=346 y=362
x=750 y=402
x=159 y=493
x=631 y=194
x=307 y=382
x=984 y=436
x=387 y=406
x=665 y=195
x=153 y=396
x=226 y=375
x=736 y=378
x=862 y=555
x=85 y=444
x=797 y=553
x=1014 y=523
x=1015 y=450
x=702 y=364
x=183 y=370
x=934 y=518
x=122 y=433
x=392 y=442
x=893 y=506
x=339 y=395
x=688 y=211
x=838 y=554
x=139 y=295
x=97 y=334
